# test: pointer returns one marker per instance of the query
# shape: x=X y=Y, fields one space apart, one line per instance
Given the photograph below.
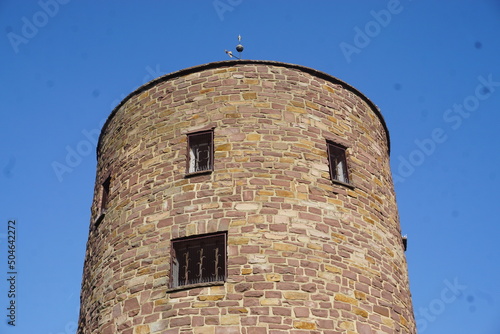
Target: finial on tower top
x=239 y=48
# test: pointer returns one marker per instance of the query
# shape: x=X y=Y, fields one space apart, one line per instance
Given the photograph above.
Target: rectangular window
x=198 y=259
x=105 y=193
x=200 y=152
x=338 y=162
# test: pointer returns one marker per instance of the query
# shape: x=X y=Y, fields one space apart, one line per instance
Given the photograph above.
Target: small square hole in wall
x=200 y=152
x=105 y=193
x=198 y=259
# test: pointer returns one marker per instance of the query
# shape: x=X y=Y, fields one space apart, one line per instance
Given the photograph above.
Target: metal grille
x=199 y=259
x=200 y=151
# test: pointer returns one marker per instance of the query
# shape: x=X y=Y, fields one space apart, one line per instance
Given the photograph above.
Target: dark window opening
x=198 y=259
x=200 y=152
x=338 y=162
x=105 y=193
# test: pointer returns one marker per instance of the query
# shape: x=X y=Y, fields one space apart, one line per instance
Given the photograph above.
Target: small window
x=105 y=193
x=338 y=162
x=200 y=152
x=198 y=259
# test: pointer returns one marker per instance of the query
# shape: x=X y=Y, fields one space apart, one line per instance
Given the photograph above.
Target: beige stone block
x=204 y=330
x=217 y=290
x=200 y=304
x=304 y=325
x=273 y=277
x=338 y=236
x=238 y=223
x=345 y=299
x=242 y=310
x=213 y=297
x=208 y=206
x=223 y=147
x=360 y=312
x=246 y=271
x=403 y=321
x=256 y=219
x=141 y=329
x=294 y=295
x=284 y=247
x=251 y=81
x=146 y=228
x=162 y=301
x=349 y=325
x=143 y=95
x=254 y=137
x=319 y=234
x=246 y=206
x=352 y=193
x=191 y=229
x=328 y=88
x=206 y=90
x=238 y=240
x=284 y=193
x=249 y=95
x=326 y=276
x=333 y=269
x=257 y=258
x=270 y=302
x=265 y=192
x=278 y=219
x=388 y=321
x=360 y=295
x=230 y=319
x=295 y=109
x=221 y=98
x=273 y=236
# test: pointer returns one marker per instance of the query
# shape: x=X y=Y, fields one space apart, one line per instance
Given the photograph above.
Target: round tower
x=245 y=197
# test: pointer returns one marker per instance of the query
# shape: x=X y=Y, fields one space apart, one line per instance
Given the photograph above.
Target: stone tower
x=245 y=197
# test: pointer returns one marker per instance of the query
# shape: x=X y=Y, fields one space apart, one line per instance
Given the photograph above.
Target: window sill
x=197 y=285
x=203 y=172
x=348 y=185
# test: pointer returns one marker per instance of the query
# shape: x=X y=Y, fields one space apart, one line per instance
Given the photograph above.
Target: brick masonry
x=305 y=254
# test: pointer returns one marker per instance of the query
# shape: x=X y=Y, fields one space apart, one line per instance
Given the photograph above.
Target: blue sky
x=431 y=66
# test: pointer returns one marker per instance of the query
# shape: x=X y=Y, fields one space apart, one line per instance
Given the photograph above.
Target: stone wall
x=305 y=254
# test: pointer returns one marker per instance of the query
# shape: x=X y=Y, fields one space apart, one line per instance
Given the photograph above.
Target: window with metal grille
x=198 y=259
x=338 y=162
x=200 y=152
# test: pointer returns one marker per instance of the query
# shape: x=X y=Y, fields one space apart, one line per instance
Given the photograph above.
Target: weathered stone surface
x=305 y=254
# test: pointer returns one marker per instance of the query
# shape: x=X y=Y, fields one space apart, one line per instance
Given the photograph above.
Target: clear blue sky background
x=64 y=69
